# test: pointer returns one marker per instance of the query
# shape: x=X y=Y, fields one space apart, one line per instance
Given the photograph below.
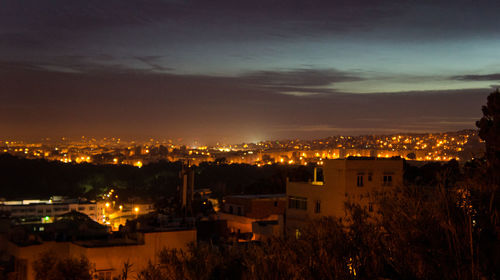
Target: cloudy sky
x=235 y=71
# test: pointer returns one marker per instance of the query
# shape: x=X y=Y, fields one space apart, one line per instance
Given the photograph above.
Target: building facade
x=46 y=210
x=243 y=212
x=344 y=180
x=107 y=257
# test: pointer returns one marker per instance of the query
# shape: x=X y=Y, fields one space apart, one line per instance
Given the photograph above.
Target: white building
x=45 y=210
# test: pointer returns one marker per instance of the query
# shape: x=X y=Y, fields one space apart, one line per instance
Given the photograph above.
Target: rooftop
x=250 y=196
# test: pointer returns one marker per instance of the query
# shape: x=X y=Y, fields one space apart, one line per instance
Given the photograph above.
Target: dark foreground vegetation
x=24 y=178
x=420 y=233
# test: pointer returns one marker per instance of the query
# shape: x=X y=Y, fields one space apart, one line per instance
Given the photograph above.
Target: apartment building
x=354 y=179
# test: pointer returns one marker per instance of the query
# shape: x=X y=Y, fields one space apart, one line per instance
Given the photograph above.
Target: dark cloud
x=299 y=81
x=90 y=65
x=134 y=105
x=301 y=77
x=27 y=22
x=95 y=13
x=154 y=62
x=19 y=40
x=488 y=77
x=114 y=67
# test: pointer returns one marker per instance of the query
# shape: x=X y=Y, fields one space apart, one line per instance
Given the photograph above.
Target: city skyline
x=244 y=72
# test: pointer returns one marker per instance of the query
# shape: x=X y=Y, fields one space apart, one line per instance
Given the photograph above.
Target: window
x=370 y=207
x=104 y=275
x=276 y=204
x=230 y=209
x=370 y=177
x=295 y=202
x=81 y=208
x=387 y=180
x=317 y=207
x=297 y=233
x=360 y=181
x=91 y=208
x=239 y=211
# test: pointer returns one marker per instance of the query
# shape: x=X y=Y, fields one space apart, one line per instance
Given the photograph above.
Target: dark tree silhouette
x=49 y=267
x=489 y=131
x=411 y=156
x=487 y=190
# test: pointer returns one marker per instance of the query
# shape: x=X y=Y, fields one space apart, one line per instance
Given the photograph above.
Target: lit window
x=297 y=233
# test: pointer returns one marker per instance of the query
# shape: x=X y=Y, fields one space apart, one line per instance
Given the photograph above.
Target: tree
x=48 y=266
x=489 y=131
x=151 y=272
x=126 y=270
x=486 y=194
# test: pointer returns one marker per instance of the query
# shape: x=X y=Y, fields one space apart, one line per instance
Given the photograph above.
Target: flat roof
x=47 y=203
x=277 y=195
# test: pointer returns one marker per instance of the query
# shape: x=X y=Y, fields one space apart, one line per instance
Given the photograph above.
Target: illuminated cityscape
x=462 y=146
x=253 y=140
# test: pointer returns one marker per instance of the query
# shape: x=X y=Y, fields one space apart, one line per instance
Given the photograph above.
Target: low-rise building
x=37 y=210
x=354 y=179
x=74 y=235
x=242 y=211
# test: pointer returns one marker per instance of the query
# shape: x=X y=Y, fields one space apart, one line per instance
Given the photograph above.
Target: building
x=107 y=257
x=74 y=235
x=243 y=211
x=354 y=179
x=36 y=210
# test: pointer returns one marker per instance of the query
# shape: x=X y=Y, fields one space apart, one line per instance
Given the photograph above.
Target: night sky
x=234 y=71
